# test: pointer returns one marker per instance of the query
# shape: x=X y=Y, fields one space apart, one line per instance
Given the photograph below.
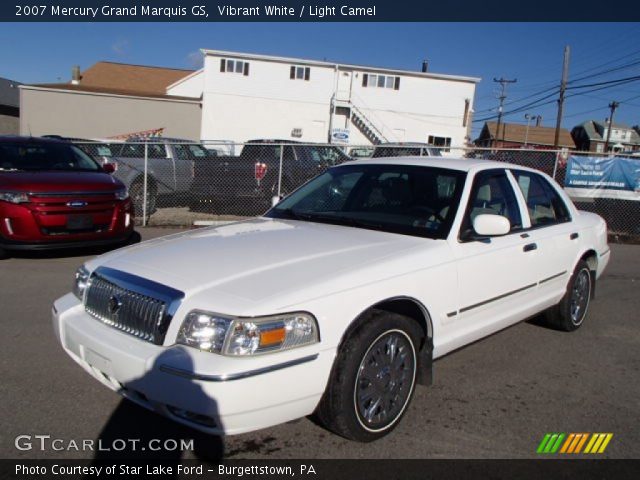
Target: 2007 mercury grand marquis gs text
x=338 y=299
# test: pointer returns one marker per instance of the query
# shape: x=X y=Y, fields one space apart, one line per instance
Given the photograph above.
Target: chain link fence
x=181 y=183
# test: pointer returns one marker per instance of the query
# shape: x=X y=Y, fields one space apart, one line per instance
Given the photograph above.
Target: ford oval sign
x=77 y=204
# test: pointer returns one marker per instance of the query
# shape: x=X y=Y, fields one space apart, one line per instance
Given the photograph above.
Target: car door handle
x=529 y=247
x=574 y=235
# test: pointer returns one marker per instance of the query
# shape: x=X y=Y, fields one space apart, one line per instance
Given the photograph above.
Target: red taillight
x=109 y=167
x=260 y=170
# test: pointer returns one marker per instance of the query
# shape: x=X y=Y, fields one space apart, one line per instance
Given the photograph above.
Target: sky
x=532 y=53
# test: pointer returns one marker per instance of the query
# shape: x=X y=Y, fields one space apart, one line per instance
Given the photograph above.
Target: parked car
x=53 y=195
x=361 y=152
x=337 y=301
x=170 y=164
x=249 y=181
x=406 y=149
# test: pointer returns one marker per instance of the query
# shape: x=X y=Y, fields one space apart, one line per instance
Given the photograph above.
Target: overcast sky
x=530 y=52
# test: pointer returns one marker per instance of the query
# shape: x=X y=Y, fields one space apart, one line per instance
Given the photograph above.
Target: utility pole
x=563 y=88
x=612 y=106
x=503 y=84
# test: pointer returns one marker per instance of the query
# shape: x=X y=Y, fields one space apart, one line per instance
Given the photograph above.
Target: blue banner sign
x=603 y=177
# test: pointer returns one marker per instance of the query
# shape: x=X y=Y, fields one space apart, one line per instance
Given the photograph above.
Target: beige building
x=110 y=100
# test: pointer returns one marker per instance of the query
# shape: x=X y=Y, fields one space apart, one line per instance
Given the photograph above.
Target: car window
x=321 y=155
x=190 y=152
x=543 y=203
x=45 y=157
x=491 y=194
x=136 y=150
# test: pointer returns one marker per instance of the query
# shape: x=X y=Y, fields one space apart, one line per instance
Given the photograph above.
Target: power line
x=503 y=95
x=536 y=103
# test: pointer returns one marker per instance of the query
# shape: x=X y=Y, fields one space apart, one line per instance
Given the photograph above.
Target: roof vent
x=425 y=66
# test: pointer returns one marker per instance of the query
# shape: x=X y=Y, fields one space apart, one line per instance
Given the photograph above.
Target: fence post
x=555 y=165
x=280 y=171
x=144 y=184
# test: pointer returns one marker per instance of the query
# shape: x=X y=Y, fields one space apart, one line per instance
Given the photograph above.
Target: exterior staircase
x=366 y=126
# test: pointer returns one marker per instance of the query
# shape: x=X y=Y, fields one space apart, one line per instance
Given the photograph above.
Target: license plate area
x=79 y=222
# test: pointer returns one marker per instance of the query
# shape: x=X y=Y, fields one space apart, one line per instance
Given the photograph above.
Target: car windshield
x=45 y=156
x=322 y=154
x=405 y=199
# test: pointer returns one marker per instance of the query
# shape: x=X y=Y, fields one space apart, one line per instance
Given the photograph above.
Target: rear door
x=496 y=276
x=551 y=231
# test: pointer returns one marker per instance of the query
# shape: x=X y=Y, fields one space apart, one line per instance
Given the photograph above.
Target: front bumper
x=209 y=392
x=58 y=245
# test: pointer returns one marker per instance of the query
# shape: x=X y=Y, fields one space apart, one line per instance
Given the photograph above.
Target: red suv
x=53 y=195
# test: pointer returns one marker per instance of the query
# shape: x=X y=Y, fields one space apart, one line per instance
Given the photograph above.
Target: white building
x=247 y=96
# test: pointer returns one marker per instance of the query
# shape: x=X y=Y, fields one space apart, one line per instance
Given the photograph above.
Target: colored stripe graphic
x=598 y=442
x=572 y=443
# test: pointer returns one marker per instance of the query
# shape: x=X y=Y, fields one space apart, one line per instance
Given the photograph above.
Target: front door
x=496 y=276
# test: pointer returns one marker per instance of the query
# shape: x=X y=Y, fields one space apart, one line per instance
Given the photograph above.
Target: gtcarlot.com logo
x=574 y=443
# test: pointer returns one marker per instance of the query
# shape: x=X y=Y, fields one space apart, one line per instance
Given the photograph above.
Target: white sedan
x=338 y=299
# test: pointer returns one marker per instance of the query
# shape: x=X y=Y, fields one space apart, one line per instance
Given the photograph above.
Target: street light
x=528 y=118
x=526 y=132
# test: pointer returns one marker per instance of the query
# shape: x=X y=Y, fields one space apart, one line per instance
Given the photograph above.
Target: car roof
x=452 y=163
x=406 y=144
x=30 y=140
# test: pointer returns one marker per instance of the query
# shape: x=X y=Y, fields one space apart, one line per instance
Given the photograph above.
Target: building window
x=228 y=65
x=380 y=81
x=299 y=73
x=440 y=142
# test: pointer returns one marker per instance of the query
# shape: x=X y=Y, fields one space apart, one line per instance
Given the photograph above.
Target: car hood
x=264 y=259
x=47 y=181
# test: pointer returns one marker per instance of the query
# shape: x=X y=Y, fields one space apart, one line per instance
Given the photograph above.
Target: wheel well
x=151 y=182
x=591 y=257
x=411 y=308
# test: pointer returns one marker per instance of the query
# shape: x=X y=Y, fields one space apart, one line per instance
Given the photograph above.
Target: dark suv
x=53 y=195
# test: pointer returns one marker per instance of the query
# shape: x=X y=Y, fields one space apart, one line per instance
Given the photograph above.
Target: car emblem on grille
x=114 y=305
x=77 y=204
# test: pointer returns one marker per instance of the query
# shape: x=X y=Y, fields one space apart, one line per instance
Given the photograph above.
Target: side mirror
x=489 y=225
x=275 y=200
x=109 y=167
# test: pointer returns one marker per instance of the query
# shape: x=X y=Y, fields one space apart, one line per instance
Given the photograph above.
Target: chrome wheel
x=385 y=380
x=580 y=295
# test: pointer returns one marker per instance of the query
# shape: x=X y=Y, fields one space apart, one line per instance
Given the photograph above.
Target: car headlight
x=122 y=194
x=81 y=281
x=14 y=197
x=247 y=336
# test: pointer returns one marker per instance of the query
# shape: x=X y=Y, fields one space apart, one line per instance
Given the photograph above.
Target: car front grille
x=132 y=304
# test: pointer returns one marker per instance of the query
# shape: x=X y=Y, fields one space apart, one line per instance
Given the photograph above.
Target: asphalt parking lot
x=494 y=399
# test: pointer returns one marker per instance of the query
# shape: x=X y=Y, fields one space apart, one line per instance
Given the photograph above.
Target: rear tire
x=373 y=377
x=570 y=313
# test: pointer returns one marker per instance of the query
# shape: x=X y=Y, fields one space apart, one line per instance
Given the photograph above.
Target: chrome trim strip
x=452 y=314
x=606 y=252
x=235 y=376
x=499 y=297
x=551 y=277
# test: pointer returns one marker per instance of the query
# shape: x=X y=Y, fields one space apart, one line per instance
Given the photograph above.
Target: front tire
x=570 y=313
x=373 y=378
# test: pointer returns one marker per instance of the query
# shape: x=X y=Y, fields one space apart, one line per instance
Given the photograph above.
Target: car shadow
x=72 y=252
x=137 y=433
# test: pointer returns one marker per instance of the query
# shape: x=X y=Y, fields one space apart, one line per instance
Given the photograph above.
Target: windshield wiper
x=332 y=219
